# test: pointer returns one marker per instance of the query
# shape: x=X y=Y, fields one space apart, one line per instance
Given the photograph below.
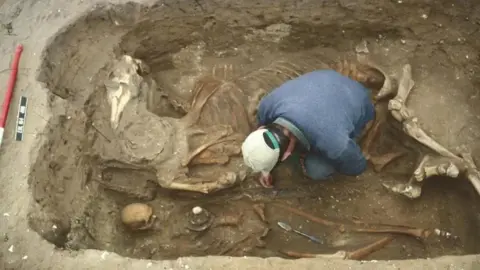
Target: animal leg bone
x=339 y=255
x=358 y=254
x=363 y=252
x=450 y=165
x=397 y=107
x=472 y=173
x=429 y=166
x=421 y=233
x=198 y=184
x=440 y=166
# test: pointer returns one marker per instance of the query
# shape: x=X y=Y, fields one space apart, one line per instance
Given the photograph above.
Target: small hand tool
x=289 y=228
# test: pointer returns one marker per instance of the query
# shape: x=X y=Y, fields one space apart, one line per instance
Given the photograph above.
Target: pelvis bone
x=446 y=163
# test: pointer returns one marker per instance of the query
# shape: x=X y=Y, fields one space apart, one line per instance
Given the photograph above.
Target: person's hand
x=266 y=180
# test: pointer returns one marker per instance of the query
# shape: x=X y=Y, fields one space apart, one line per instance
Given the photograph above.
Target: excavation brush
x=9 y=92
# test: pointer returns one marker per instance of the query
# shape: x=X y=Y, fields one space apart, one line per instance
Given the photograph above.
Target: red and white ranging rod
x=9 y=93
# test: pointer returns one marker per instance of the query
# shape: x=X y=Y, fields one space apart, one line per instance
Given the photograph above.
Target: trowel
x=289 y=228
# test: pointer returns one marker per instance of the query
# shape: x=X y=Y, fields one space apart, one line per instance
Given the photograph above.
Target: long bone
x=448 y=164
x=198 y=184
x=358 y=254
x=446 y=167
x=361 y=227
x=429 y=166
x=438 y=166
x=472 y=173
x=398 y=109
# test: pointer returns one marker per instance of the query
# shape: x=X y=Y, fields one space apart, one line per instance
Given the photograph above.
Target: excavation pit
x=75 y=209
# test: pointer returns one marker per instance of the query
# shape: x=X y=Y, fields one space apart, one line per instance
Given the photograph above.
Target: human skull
x=138 y=216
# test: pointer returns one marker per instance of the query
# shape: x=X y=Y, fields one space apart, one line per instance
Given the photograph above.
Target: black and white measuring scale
x=21 y=117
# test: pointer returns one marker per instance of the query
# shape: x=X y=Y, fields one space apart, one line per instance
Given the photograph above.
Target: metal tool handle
x=313 y=238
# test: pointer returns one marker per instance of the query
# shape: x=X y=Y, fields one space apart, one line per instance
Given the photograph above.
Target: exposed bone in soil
x=83 y=195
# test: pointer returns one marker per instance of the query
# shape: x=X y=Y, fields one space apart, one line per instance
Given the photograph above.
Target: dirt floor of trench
x=75 y=211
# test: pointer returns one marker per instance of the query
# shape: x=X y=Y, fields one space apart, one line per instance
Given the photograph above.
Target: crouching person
x=319 y=115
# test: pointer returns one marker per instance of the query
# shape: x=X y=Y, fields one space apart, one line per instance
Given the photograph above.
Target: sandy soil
x=72 y=211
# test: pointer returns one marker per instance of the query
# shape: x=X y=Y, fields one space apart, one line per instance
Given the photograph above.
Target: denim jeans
x=317 y=167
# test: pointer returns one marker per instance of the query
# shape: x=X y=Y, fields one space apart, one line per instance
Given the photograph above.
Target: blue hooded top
x=330 y=111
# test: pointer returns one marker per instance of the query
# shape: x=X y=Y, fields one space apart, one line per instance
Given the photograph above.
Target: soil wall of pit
x=75 y=49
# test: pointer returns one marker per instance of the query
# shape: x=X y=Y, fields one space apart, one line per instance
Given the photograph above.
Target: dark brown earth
x=73 y=210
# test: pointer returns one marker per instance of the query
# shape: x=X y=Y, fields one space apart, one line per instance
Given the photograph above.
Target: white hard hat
x=257 y=154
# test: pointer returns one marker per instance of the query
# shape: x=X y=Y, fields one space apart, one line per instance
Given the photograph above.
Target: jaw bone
x=122 y=85
x=445 y=164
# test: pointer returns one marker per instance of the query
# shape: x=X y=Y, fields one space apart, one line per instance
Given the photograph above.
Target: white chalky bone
x=440 y=166
x=410 y=190
x=123 y=84
x=118 y=98
x=472 y=173
x=398 y=109
x=448 y=164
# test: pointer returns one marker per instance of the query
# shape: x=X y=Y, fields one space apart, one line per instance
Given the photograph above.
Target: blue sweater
x=330 y=109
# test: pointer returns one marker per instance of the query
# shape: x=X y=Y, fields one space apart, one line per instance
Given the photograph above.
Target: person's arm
x=351 y=161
